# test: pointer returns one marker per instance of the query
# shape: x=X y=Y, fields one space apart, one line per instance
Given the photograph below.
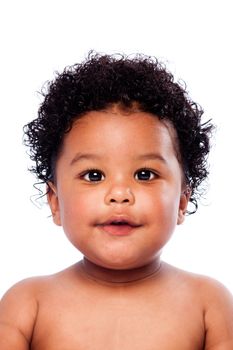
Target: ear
x=184 y=199
x=53 y=203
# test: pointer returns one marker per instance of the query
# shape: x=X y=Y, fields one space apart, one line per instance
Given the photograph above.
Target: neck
x=102 y=274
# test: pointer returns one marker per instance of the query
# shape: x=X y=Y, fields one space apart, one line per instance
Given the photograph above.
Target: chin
x=120 y=263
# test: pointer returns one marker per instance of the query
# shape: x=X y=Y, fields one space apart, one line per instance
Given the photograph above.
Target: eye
x=93 y=175
x=145 y=175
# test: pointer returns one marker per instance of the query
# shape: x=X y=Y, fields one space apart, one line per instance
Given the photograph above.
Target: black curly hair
x=103 y=80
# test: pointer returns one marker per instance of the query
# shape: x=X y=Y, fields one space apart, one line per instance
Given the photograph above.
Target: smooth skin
x=118 y=165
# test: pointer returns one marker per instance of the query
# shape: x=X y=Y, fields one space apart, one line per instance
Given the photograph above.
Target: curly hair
x=102 y=80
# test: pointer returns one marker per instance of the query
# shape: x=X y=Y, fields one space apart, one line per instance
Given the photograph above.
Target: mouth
x=119 y=226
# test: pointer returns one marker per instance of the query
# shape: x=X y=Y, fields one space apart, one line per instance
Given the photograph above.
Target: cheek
x=161 y=205
x=78 y=208
x=74 y=214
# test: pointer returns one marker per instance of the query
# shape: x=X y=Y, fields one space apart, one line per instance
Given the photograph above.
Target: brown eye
x=145 y=175
x=93 y=176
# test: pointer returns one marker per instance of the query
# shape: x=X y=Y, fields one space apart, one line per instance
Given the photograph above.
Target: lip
x=125 y=227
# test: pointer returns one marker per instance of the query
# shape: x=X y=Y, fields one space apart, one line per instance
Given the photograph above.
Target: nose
x=119 y=195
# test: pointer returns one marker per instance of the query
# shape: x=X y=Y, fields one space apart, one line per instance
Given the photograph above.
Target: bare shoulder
x=201 y=284
x=19 y=310
x=218 y=316
x=27 y=293
x=217 y=304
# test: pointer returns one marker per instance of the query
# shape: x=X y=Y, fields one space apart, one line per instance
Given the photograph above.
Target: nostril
x=119 y=196
x=112 y=200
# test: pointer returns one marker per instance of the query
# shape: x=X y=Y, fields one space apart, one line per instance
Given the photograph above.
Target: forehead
x=119 y=132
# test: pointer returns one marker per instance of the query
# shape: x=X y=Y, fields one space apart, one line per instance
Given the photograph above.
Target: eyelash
x=87 y=171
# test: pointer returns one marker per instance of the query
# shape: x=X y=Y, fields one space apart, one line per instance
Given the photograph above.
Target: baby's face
x=118 y=168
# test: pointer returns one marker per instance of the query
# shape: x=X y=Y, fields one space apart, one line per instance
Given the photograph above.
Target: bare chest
x=119 y=323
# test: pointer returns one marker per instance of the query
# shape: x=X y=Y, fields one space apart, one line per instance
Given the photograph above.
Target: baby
x=122 y=151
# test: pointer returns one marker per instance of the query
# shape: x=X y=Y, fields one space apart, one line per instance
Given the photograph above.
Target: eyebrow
x=152 y=156
x=85 y=156
x=91 y=156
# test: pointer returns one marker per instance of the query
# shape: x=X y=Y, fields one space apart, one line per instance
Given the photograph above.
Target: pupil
x=144 y=175
x=94 y=176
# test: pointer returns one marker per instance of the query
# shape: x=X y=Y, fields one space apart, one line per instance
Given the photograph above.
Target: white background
x=194 y=38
